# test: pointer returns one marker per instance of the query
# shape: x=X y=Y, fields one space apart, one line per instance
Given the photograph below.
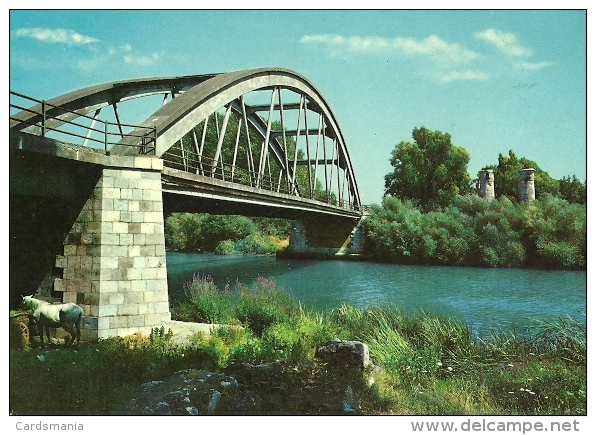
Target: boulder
x=187 y=392
x=344 y=354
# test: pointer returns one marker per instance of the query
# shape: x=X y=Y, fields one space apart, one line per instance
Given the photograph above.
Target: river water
x=487 y=300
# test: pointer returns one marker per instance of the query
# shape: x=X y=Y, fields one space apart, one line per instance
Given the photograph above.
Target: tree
x=430 y=172
x=572 y=190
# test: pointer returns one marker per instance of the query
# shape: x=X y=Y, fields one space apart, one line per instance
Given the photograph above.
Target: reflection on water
x=486 y=299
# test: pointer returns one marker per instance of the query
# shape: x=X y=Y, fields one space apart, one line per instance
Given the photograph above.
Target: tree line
x=431 y=212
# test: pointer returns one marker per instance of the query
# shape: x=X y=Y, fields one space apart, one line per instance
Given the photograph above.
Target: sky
x=495 y=80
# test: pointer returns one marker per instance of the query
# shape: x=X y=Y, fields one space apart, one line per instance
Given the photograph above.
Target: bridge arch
x=197 y=100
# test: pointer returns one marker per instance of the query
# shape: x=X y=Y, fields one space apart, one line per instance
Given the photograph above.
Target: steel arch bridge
x=269 y=129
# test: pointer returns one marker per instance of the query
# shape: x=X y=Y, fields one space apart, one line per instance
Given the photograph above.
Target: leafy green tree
x=573 y=190
x=430 y=171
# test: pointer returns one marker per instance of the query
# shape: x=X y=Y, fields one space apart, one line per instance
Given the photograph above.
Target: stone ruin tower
x=487 y=184
x=527 y=189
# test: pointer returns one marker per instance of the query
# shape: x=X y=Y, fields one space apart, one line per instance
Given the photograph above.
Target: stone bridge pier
x=114 y=260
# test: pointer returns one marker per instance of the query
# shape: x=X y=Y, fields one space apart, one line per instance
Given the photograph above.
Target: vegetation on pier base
x=429 y=366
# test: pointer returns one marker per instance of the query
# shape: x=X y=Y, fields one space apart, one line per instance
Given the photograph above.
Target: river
x=485 y=299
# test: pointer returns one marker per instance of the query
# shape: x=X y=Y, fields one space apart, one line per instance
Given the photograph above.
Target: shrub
x=262 y=305
x=255 y=244
x=204 y=302
x=226 y=247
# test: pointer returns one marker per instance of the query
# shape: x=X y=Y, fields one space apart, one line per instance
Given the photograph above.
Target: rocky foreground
x=324 y=387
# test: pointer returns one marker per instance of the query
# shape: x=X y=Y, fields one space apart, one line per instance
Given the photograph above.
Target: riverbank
x=484 y=299
x=427 y=365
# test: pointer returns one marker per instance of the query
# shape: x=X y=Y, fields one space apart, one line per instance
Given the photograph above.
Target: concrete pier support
x=334 y=238
x=487 y=184
x=527 y=189
x=114 y=262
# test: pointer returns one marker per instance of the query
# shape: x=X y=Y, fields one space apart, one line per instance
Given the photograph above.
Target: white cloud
x=60 y=36
x=506 y=42
x=431 y=46
x=531 y=66
x=465 y=75
x=141 y=59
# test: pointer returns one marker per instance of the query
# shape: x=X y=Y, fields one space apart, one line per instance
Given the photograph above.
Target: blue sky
x=494 y=80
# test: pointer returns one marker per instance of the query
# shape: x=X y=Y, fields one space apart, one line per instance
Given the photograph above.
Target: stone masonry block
x=138 y=320
x=138 y=285
x=137 y=217
x=120 y=227
x=157 y=164
x=149 y=184
x=60 y=261
x=118 y=322
x=126 y=239
x=132 y=175
x=157 y=285
x=116 y=298
x=109 y=262
x=121 y=161
x=143 y=162
x=134 y=228
x=68 y=297
x=153 y=216
x=111 y=193
x=59 y=285
x=111 y=216
x=143 y=309
x=152 y=195
x=139 y=240
x=121 y=204
x=126 y=194
x=125 y=216
x=134 y=205
x=108 y=310
x=155 y=239
x=126 y=262
x=133 y=297
x=108 y=287
x=128 y=309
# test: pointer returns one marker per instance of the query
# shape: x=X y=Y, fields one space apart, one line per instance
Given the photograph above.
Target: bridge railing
x=57 y=122
x=194 y=163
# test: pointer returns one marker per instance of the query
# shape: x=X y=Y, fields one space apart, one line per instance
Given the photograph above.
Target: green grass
x=428 y=365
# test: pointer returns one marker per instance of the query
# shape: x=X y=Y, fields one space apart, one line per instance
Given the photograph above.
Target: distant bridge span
x=88 y=191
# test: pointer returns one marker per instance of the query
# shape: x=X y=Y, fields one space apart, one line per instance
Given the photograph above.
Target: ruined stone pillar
x=114 y=262
x=527 y=190
x=487 y=184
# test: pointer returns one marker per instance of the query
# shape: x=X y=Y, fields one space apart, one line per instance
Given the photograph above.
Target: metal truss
x=266 y=128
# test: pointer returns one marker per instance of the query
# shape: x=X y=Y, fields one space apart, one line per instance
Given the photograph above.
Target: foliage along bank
x=548 y=233
x=189 y=232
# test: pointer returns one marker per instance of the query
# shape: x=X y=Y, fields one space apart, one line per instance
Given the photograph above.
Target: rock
x=277 y=388
x=187 y=392
x=343 y=354
x=213 y=402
